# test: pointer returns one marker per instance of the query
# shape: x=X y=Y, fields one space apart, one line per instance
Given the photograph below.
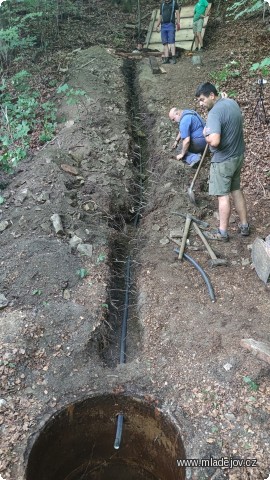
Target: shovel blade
x=191 y=196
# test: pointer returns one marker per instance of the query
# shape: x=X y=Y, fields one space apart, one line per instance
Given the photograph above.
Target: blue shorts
x=167 y=33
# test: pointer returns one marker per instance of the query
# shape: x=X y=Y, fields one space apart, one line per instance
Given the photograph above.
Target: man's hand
x=174 y=145
x=180 y=156
x=178 y=27
x=206 y=131
x=157 y=28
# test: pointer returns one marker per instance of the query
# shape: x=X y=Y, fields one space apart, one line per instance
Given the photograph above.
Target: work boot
x=244 y=230
x=166 y=60
x=216 y=235
x=173 y=60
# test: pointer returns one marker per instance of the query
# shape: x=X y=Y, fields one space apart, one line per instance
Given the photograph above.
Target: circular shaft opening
x=78 y=443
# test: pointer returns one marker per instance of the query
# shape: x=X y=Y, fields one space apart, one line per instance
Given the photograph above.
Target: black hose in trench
x=120 y=417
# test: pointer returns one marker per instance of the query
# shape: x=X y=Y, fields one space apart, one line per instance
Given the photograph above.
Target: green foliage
x=47 y=133
x=101 y=257
x=37 y=292
x=20 y=80
x=12 y=41
x=262 y=66
x=20 y=113
x=40 y=17
x=228 y=71
x=232 y=93
x=8 y=364
x=243 y=7
x=2 y=200
x=82 y=273
x=252 y=385
x=119 y=40
x=71 y=94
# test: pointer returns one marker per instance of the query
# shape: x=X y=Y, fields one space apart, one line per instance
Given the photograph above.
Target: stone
x=3 y=225
x=230 y=417
x=75 y=241
x=164 y=241
x=227 y=366
x=196 y=60
x=85 y=249
x=57 y=223
x=261 y=259
x=3 y=402
x=177 y=233
x=69 y=169
x=66 y=294
x=3 y=301
x=21 y=196
x=259 y=349
x=245 y=262
x=69 y=123
x=43 y=197
x=122 y=161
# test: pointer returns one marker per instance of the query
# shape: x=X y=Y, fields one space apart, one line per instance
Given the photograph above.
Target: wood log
x=154 y=65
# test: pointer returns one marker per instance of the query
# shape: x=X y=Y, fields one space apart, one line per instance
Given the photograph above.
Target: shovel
x=190 y=190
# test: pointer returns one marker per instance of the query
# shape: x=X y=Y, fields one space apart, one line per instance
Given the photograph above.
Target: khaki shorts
x=225 y=176
x=198 y=25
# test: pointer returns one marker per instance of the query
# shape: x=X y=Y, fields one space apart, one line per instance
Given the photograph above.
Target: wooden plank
x=185 y=45
x=188 y=12
x=150 y=28
x=180 y=36
x=259 y=349
x=184 y=38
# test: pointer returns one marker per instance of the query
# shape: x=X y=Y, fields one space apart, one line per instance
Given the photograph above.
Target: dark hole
x=78 y=443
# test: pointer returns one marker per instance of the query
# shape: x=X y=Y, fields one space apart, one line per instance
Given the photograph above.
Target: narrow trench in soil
x=122 y=296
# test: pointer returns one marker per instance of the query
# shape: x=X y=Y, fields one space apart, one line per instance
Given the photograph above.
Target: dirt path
x=58 y=342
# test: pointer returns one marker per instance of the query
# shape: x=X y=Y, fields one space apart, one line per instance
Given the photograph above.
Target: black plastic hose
x=202 y=272
x=119 y=430
x=125 y=314
x=120 y=418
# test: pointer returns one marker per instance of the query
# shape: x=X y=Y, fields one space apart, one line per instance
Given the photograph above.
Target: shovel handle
x=199 y=167
x=209 y=249
x=184 y=238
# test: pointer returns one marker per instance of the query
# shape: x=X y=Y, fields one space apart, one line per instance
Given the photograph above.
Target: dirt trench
x=60 y=330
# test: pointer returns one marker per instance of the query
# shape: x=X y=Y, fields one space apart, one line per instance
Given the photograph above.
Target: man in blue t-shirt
x=191 y=127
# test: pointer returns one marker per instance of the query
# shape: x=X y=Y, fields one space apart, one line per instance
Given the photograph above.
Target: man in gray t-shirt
x=224 y=134
x=225 y=118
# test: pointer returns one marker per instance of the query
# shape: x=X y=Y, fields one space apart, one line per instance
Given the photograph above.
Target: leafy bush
x=40 y=17
x=11 y=41
x=243 y=7
x=20 y=115
x=71 y=94
x=262 y=66
x=228 y=71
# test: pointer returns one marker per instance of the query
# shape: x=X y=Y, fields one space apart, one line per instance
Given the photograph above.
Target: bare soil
x=59 y=331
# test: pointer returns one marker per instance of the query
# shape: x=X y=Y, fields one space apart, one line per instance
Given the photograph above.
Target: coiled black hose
x=202 y=272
